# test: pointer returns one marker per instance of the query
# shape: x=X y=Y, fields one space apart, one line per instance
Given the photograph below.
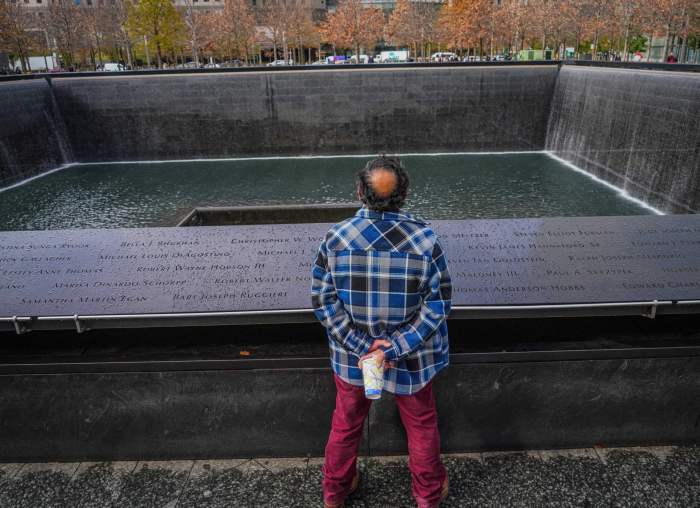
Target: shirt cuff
x=390 y=354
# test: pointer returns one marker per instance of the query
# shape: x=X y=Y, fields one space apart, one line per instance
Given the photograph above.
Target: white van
x=363 y=59
x=443 y=56
x=113 y=67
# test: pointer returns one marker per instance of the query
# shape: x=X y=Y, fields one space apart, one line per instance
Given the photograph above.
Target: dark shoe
x=353 y=488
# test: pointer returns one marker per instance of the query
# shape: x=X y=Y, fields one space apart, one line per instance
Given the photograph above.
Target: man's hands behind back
x=376 y=353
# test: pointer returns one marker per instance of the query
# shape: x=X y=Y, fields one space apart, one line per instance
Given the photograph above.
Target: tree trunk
x=625 y=49
x=595 y=45
x=20 y=54
x=684 y=49
x=148 y=51
x=128 y=55
x=99 y=49
x=668 y=34
x=285 y=48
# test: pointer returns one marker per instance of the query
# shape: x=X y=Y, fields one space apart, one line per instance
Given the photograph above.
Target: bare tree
x=118 y=12
x=628 y=16
x=277 y=17
x=65 y=24
x=598 y=14
x=14 y=35
x=96 y=25
x=300 y=25
x=194 y=20
x=233 y=29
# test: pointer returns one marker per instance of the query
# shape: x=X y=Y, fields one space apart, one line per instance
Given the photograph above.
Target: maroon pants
x=420 y=421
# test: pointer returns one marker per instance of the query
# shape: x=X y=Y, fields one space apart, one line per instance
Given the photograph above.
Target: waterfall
x=637 y=129
x=33 y=139
x=6 y=164
x=55 y=118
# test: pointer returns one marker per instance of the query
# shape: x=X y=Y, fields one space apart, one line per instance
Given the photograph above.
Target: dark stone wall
x=287 y=412
x=307 y=112
x=32 y=136
x=637 y=129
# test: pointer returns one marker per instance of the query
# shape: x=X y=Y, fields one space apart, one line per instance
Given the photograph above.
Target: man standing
x=382 y=290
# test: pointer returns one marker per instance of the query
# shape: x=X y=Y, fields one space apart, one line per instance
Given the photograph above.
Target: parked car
x=113 y=67
x=276 y=63
x=233 y=63
x=444 y=56
x=212 y=65
x=188 y=65
x=364 y=59
x=319 y=62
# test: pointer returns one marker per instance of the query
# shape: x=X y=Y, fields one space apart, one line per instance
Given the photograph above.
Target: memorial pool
x=446 y=186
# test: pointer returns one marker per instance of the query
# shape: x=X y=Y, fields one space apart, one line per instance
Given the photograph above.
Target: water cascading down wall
x=636 y=129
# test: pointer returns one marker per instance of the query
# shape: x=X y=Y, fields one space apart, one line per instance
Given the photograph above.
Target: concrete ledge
x=271 y=214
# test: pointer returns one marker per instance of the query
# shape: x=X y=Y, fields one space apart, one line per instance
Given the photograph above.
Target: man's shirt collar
x=366 y=213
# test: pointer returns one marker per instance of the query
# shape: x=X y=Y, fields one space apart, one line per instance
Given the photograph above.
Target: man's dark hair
x=385 y=203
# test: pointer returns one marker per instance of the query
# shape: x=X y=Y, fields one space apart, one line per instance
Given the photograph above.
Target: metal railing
x=329 y=68
x=83 y=323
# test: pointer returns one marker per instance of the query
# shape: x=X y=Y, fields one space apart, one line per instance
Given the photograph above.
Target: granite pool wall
x=347 y=111
x=637 y=129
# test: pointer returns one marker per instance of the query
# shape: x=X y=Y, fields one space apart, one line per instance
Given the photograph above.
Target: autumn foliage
x=160 y=31
x=353 y=26
x=487 y=27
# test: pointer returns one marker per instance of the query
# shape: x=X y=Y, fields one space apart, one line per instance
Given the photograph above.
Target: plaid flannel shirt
x=383 y=275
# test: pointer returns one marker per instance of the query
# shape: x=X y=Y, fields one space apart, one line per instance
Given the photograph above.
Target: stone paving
x=605 y=477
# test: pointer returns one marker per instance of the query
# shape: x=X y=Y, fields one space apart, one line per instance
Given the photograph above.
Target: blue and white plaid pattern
x=383 y=275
